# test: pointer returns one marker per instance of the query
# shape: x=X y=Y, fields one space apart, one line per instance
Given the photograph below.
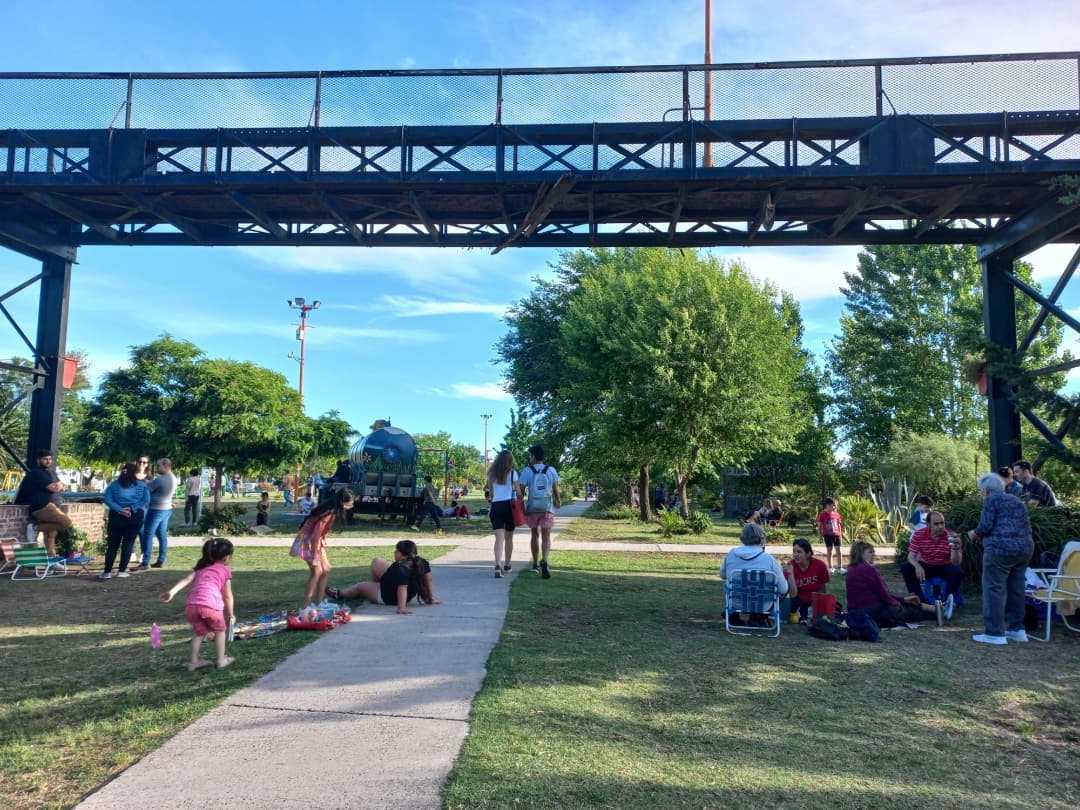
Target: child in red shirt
x=831 y=529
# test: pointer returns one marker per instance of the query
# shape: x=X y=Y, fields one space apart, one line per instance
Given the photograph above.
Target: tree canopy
x=912 y=321
x=634 y=356
x=174 y=401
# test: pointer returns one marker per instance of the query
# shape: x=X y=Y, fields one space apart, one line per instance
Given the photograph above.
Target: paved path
x=341 y=724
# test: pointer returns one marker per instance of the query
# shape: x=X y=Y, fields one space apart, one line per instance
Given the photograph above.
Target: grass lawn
x=83 y=695
x=725 y=531
x=614 y=684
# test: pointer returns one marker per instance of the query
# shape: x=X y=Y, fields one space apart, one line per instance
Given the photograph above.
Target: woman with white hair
x=1005 y=532
x=752 y=555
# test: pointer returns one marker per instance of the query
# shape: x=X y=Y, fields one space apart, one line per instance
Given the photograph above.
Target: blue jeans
x=431 y=510
x=157 y=524
x=287 y=495
x=1003 y=591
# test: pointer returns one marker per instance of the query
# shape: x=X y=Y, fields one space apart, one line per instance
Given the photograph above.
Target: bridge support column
x=999 y=323
x=50 y=345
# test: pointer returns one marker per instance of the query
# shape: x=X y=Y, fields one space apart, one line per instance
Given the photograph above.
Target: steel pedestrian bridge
x=897 y=151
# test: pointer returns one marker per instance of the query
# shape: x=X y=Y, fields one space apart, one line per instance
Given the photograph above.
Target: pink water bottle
x=155 y=636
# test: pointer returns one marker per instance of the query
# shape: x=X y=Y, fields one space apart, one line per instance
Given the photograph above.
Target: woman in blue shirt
x=127 y=498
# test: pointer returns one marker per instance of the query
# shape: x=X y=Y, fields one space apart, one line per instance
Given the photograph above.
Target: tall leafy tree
x=174 y=401
x=662 y=356
x=912 y=319
x=519 y=436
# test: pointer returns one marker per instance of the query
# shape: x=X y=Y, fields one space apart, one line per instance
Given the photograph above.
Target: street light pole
x=304 y=308
x=485 y=417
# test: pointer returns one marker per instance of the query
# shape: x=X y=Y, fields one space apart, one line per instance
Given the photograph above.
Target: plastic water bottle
x=155 y=636
x=810 y=615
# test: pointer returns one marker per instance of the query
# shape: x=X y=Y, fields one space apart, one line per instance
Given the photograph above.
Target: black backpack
x=828 y=628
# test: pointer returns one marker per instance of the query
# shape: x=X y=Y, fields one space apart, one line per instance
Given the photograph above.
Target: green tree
x=912 y=321
x=519 y=437
x=173 y=401
x=660 y=357
x=15 y=389
x=935 y=465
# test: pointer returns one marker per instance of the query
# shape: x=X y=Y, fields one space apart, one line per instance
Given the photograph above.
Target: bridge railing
x=774 y=90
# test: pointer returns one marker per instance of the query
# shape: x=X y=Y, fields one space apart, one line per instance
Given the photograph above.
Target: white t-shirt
x=504 y=492
x=193 y=486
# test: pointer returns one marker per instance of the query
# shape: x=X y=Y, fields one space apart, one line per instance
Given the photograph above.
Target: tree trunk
x=644 y=497
x=217 y=487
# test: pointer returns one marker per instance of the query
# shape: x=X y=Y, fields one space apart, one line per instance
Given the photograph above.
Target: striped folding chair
x=752 y=591
x=37 y=561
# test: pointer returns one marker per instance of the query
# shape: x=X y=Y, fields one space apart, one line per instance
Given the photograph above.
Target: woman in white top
x=502 y=488
x=193 y=501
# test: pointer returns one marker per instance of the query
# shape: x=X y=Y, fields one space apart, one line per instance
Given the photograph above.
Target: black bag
x=861 y=627
x=828 y=628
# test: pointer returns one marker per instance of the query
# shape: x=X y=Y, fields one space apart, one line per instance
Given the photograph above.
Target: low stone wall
x=87 y=517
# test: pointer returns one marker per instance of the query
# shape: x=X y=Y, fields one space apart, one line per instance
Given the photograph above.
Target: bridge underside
x=902 y=179
x=977 y=179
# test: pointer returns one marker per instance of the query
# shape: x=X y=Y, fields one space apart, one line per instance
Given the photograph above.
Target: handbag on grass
x=517 y=509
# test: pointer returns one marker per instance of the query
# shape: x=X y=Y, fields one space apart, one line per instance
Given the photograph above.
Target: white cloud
x=809 y=274
x=491 y=390
x=400 y=306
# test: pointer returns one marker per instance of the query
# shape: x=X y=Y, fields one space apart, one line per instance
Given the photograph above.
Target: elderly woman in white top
x=753 y=555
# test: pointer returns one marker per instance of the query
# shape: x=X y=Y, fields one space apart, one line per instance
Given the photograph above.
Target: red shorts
x=540 y=520
x=203 y=619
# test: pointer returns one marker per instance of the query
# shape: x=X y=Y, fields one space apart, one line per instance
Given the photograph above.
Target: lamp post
x=303 y=307
x=485 y=417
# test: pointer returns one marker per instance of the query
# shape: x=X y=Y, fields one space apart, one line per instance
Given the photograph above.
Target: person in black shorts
x=394 y=583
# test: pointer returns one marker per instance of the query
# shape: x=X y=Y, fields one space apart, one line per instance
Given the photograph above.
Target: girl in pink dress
x=310 y=542
x=210 y=600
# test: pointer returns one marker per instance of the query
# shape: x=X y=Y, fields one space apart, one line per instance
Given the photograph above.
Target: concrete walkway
x=372 y=714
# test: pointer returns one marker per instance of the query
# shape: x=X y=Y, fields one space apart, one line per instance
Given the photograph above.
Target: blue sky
x=409 y=333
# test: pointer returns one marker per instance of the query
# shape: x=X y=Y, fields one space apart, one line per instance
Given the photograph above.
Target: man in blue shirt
x=40 y=491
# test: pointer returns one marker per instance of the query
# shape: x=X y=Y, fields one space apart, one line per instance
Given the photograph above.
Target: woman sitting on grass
x=866 y=591
x=310 y=542
x=394 y=583
x=806 y=575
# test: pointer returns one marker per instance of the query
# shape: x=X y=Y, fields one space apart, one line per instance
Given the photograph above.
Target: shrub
x=618 y=512
x=229 y=519
x=70 y=540
x=671 y=523
x=700 y=522
x=774 y=534
x=1051 y=529
x=860 y=518
x=799 y=502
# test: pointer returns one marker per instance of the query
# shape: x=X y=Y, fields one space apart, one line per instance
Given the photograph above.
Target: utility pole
x=304 y=308
x=485 y=417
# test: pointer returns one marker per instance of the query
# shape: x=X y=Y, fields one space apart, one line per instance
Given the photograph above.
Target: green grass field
x=82 y=693
x=615 y=685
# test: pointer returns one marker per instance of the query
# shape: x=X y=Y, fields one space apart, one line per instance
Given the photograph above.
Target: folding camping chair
x=7 y=553
x=1062 y=589
x=41 y=565
x=752 y=590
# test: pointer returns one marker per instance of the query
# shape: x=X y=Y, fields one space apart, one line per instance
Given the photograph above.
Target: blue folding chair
x=935 y=588
x=756 y=591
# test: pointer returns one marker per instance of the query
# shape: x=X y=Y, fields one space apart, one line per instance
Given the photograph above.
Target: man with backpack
x=542 y=483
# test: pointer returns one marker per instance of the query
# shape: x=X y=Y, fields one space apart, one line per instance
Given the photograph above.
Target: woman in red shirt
x=806 y=574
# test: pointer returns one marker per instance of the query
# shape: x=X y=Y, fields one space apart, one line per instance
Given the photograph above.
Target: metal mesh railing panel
x=197 y=103
x=979 y=87
x=591 y=98
x=61 y=103
x=816 y=92
x=360 y=101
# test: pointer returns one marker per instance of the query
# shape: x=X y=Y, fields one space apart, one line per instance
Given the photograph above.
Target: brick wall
x=87 y=517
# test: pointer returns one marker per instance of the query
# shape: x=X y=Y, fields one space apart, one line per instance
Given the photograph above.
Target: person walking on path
x=502 y=488
x=210 y=600
x=193 y=498
x=1005 y=531
x=310 y=542
x=542 y=483
x=288 y=483
x=158 y=515
x=395 y=583
x=127 y=498
x=40 y=491
x=429 y=507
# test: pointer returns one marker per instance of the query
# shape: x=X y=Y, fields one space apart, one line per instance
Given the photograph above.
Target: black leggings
x=121 y=536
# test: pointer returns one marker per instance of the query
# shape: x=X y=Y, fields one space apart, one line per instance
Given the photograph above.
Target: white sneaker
x=1016 y=635
x=104 y=575
x=122 y=574
x=832 y=570
x=949 y=605
x=983 y=638
x=841 y=570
